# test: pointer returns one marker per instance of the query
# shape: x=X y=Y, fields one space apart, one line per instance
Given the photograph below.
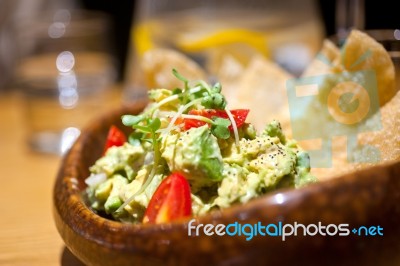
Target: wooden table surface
x=28 y=235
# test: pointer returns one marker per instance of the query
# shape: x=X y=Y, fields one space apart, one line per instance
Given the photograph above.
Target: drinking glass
x=64 y=77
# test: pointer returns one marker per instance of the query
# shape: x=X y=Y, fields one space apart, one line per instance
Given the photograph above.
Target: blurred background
x=63 y=56
x=377 y=15
x=63 y=62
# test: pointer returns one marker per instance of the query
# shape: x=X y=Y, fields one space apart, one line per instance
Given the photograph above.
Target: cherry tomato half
x=171 y=201
x=115 y=137
x=239 y=115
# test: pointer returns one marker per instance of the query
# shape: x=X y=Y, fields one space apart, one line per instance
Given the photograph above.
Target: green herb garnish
x=147 y=125
x=145 y=130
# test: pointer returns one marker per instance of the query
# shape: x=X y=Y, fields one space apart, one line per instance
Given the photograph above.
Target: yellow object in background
x=142 y=38
x=224 y=37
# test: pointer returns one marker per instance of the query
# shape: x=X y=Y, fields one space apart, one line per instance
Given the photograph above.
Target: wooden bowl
x=367 y=198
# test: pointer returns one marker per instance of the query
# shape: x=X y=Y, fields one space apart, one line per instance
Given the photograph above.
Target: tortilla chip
x=229 y=71
x=362 y=52
x=262 y=89
x=219 y=58
x=156 y=66
x=387 y=141
x=322 y=63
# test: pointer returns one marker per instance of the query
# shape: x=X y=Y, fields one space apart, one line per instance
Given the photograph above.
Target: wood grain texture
x=28 y=235
x=27 y=232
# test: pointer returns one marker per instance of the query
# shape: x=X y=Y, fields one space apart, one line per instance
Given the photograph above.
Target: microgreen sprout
x=185 y=92
x=145 y=129
x=147 y=126
x=211 y=97
x=219 y=126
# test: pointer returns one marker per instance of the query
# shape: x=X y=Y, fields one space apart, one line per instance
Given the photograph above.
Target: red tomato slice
x=115 y=137
x=170 y=201
x=239 y=115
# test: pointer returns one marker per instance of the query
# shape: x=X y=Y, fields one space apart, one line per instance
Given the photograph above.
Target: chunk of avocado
x=196 y=154
x=112 y=204
x=103 y=191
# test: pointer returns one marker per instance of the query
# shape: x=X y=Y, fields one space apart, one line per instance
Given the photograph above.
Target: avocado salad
x=188 y=154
